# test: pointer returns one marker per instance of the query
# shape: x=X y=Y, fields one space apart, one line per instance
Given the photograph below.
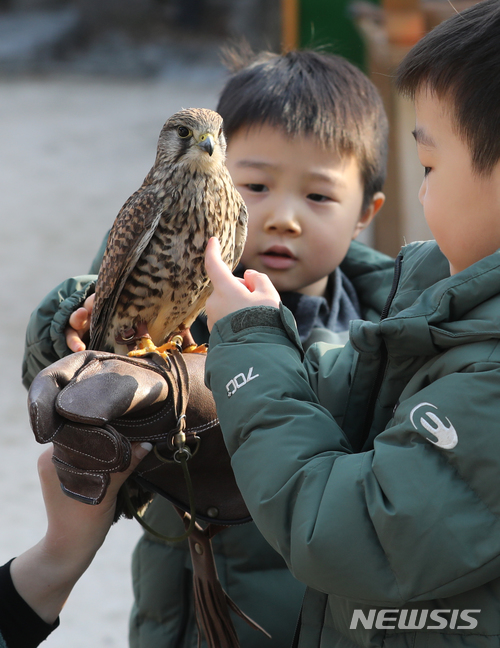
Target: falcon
x=152 y=283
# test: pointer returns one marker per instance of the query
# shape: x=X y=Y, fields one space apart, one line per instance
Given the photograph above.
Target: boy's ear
x=376 y=202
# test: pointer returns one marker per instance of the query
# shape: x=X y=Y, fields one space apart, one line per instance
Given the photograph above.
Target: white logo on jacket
x=414 y=619
x=239 y=381
x=446 y=435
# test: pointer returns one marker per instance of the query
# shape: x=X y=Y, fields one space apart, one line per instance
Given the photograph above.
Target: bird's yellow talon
x=146 y=346
x=166 y=348
x=137 y=353
x=196 y=348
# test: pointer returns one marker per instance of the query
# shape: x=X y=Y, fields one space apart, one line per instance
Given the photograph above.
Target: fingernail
x=143 y=449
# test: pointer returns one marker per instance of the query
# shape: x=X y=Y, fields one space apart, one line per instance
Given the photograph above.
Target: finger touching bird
x=152 y=283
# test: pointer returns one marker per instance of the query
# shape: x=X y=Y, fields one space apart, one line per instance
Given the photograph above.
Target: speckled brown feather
x=153 y=268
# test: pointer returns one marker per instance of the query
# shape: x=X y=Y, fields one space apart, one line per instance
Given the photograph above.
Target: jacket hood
x=436 y=315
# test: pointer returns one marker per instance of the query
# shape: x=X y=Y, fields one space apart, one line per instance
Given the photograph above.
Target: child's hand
x=79 y=325
x=230 y=293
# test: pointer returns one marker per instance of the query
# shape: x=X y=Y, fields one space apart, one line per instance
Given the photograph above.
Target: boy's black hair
x=307 y=93
x=459 y=61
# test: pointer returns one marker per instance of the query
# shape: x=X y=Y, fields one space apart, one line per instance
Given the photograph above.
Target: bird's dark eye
x=183 y=132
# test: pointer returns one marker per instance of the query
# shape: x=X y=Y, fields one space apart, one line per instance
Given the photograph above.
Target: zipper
x=395 y=282
x=383 y=353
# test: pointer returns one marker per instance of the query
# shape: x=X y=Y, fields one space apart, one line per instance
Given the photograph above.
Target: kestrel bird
x=152 y=282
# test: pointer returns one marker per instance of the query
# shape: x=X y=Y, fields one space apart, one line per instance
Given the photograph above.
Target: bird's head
x=193 y=137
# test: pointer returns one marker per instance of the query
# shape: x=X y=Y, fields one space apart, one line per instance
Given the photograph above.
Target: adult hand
x=79 y=325
x=230 y=293
x=45 y=574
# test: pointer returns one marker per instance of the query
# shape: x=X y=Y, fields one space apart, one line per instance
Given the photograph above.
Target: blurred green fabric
x=328 y=25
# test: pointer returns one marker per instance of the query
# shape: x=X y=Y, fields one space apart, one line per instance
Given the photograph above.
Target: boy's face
x=461 y=207
x=304 y=205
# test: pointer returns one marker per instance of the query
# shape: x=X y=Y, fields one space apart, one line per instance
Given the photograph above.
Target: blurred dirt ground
x=72 y=151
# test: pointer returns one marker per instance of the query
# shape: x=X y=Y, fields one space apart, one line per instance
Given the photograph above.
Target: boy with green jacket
x=307 y=139
x=374 y=470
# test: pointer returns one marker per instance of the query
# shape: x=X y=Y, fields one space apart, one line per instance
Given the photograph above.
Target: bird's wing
x=131 y=232
x=240 y=234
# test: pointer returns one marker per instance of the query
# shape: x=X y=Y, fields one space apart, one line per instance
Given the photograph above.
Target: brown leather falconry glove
x=92 y=404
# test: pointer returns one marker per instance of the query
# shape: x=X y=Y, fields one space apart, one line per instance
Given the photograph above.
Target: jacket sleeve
x=406 y=521
x=19 y=624
x=45 y=340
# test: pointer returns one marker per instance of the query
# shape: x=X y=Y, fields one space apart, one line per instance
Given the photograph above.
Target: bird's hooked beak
x=207 y=143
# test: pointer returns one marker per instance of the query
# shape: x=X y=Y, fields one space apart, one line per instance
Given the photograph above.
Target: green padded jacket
x=254 y=575
x=374 y=470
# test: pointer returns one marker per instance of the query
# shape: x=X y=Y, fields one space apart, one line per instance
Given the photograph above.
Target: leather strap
x=179 y=389
x=212 y=603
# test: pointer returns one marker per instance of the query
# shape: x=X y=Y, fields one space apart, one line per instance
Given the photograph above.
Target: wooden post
x=404 y=21
x=289 y=25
